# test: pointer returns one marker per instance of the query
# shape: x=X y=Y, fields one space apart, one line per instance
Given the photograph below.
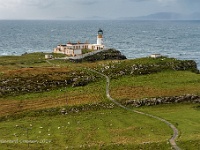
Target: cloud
x=85 y=2
x=39 y=3
x=9 y=3
x=20 y=3
x=86 y=8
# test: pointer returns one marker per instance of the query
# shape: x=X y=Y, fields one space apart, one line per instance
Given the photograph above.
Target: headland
x=49 y=98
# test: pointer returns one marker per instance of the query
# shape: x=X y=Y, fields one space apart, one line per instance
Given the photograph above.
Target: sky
x=91 y=9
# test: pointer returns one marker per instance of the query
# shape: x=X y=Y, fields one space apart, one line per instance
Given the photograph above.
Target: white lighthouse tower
x=100 y=37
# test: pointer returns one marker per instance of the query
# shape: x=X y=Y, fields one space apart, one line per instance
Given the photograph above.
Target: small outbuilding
x=48 y=56
x=156 y=56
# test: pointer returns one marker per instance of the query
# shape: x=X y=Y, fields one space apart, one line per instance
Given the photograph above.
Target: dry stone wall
x=189 y=98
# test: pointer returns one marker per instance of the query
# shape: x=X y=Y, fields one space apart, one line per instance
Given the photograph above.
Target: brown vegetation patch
x=26 y=72
x=8 y=107
x=138 y=92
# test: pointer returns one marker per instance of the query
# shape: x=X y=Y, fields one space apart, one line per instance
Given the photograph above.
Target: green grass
x=96 y=88
x=26 y=60
x=185 y=117
x=167 y=79
x=168 y=83
x=97 y=128
x=92 y=93
x=106 y=128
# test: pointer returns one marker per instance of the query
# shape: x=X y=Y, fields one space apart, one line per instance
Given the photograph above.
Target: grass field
x=185 y=117
x=103 y=129
x=128 y=87
x=168 y=83
x=91 y=129
x=34 y=121
x=92 y=93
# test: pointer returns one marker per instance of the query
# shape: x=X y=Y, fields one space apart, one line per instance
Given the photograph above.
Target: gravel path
x=172 y=140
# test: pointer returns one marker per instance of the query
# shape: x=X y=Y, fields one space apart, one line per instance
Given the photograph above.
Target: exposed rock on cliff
x=110 y=54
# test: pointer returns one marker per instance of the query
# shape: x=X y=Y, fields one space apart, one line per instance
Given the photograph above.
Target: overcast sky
x=84 y=9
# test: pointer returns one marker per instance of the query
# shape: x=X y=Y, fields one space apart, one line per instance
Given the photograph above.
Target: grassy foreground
x=101 y=129
x=34 y=120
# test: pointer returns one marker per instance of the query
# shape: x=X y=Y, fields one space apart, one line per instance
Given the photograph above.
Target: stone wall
x=189 y=98
x=160 y=64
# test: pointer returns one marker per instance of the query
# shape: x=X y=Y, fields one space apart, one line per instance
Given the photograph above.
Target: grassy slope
x=102 y=128
x=82 y=129
x=168 y=83
x=105 y=129
x=128 y=87
x=92 y=93
x=185 y=117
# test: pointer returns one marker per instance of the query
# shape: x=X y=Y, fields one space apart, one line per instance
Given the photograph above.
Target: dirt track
x=172 y=140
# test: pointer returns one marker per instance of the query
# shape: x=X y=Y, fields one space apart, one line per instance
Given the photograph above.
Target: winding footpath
x=172 y=140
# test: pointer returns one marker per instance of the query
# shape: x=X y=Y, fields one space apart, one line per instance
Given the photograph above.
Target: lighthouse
x=74 y=49
x=100 y=37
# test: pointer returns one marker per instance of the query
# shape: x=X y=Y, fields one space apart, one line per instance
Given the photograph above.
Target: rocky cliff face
x=110 y=54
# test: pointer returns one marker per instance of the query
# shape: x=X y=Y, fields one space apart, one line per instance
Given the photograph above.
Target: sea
x=135 y=39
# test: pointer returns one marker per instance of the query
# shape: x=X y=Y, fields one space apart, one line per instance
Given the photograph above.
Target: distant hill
x=161 y=16
x=65 y=18
x=166 y=16
x=95 y=18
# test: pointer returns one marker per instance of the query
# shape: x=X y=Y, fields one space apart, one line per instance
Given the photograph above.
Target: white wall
x=77 y=52
x=99 y=41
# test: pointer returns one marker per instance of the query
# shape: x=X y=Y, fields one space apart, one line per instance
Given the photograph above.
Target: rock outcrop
x=110 y=54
